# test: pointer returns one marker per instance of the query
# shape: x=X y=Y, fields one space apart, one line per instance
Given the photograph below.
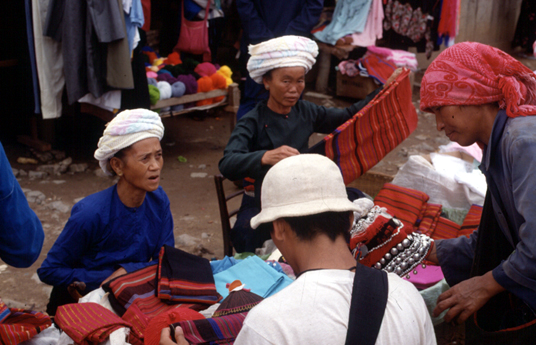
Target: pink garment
x=424 y=277
x=348 y=67
x=400 y=58
x=373 y=28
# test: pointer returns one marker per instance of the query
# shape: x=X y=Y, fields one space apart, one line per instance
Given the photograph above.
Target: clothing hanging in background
x=94 y=46
x=31 y=49
x=350 y=16
x=373 y=28
x=49 y=62
x=525 y=35
x=412 y=23
x=449 y=22
x=133 y=20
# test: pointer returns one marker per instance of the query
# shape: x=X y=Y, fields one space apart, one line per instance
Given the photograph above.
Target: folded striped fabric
x=445 y=228
x=184 y=277
x=216 y=330
x=4 y=311
x=361 y=142
x=377 y=67
x=431 y=216
x=471 y=221
x=407 y=205
x=139 y=288
x=20 y=325
x=88 y=323
x=139 y=322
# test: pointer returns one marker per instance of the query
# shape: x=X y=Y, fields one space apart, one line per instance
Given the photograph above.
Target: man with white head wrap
x=279 y=127
x=122 y=228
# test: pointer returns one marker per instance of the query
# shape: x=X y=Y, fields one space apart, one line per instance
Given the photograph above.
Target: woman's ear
x=117 y=166
x=280 y=228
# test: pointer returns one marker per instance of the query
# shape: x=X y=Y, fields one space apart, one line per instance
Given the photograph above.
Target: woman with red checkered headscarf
x=481 y=94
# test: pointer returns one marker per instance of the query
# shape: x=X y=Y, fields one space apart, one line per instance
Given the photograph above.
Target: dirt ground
x=189 y=185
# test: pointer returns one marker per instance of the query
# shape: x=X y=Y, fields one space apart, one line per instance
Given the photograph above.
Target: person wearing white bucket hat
x=278 y=127
x=304 y=196
x=122 y=228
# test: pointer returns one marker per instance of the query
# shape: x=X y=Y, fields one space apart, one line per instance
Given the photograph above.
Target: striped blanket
x=216 y=330
x=361 y=142
x=19 y=325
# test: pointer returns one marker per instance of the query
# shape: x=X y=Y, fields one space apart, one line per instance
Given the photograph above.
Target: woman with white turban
x=120 y=229
x=279 y=127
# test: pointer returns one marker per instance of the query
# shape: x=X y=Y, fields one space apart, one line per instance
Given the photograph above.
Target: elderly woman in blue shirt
x=120 y=229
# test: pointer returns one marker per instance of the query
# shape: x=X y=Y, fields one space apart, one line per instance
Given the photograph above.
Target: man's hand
x=393 y=76
x=119 y=272
x=467 y=297
x=271 y=157
x=165 y=337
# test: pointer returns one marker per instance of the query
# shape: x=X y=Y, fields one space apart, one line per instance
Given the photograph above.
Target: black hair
x=331 y=224
x=119 y=154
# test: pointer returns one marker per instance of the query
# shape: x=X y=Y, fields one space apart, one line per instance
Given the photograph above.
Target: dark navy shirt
x=103 y=235
x=509 y=164
x=21 y=232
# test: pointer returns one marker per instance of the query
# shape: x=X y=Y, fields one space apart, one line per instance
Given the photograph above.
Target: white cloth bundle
x=286 y=51
x=127 y=128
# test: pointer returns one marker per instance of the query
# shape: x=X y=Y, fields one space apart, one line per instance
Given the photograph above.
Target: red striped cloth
x=431 y=216
x=407 y=205
x=216 y=330
x=139 y=288
x=361 y=142
x=471 y=221
x=21 y=325
x=139 y=322
x=88 y=323
x=446 y=229
x=377 y=67
x=4 y=311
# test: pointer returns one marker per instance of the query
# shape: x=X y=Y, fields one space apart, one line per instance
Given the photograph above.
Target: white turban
x=286 y=51
x=127 y=128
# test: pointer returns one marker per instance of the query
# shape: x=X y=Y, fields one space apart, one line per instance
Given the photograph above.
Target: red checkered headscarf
x=472 y=73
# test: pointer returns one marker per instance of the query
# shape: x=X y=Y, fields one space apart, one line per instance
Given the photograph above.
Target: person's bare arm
x=119 y=272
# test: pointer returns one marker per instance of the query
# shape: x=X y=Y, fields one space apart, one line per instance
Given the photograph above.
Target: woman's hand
x=165 y=337
x=119 y=272
x=271 y=157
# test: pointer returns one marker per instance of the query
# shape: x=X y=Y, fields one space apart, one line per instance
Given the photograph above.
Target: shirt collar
x=496 y=133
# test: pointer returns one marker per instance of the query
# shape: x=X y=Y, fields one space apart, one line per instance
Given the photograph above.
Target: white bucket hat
x=302 y=185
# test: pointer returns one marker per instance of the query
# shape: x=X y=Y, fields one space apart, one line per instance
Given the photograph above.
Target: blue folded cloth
x=261 y=278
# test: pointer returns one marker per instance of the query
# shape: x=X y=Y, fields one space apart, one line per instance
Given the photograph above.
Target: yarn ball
x=204 y=85
x=173 y=59
x=190 y=83
x=151 y=81
x=154 y=68
x=190 y=64
x=165 y=89
x=154 y=94
x=152 y=56
x=205 y=69
x=178 y=107
x=151 y=74
x=218 y=82
x=164 y=71
x=226 y=72
x=159 y=322
x=167 y=77
x=158 y=62
x=178 y=89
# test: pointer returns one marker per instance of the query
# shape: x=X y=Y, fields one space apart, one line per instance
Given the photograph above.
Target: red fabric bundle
x=173 y=59
x=430 y=218
x=88 y=323
x=471 y=221
x=22 y=325
x=152 y=334
x=139 y=322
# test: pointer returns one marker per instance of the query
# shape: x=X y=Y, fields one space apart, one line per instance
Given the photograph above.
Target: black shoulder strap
x=369 y=298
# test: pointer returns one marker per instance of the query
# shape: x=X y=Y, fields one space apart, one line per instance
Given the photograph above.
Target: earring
x=267 y=87
x=120 y=174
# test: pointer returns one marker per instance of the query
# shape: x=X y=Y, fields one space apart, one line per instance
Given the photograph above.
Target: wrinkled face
x=286 y=85
x=142 y=164
x=461 y=124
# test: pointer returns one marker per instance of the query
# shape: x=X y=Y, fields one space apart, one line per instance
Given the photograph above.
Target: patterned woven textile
x=20 y=325
x=471 y=221
x=361 y=142
x=445 y=229
x=377 y=67
x=407 y=205
x=4 y=311
x=139 y=322
x=183 y=277
x=430 y=218
x=88 y=323
x=216 y=330
x=139 y=288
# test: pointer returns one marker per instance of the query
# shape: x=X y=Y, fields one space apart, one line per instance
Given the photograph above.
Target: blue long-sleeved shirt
x=509 y=164
x=21 y=232
x=103 y=234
